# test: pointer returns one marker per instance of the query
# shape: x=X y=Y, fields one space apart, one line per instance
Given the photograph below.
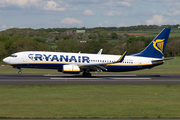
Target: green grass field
x=172 y=34
x=90 y=101
x=169 y=67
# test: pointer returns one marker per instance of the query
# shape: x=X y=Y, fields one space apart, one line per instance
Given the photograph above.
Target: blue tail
x=156 y=48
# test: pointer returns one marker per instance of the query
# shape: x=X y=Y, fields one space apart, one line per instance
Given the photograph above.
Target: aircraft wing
x=99 y=53
x=100 y=66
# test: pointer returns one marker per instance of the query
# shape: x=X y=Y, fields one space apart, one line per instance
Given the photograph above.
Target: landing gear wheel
x=88 y=74
x=85 y=74
x=20 y=72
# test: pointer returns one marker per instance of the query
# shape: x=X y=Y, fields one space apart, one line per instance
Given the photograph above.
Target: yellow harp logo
x=158 y=45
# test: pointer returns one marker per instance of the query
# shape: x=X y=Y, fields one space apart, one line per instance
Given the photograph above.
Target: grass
x=172 y=34
x=11 y=70
x=147 y=31
x=89 y=101
x=169 y=67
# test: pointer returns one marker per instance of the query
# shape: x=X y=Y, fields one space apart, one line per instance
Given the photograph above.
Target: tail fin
x=156 y=48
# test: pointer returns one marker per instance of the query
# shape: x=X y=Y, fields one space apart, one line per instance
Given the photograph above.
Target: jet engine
x=72 y=69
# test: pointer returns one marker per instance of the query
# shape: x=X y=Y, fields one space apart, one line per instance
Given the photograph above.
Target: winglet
x=100 y=51
x=121 y=58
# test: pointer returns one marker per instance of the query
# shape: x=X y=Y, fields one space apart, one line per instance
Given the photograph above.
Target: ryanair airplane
x=74 y=63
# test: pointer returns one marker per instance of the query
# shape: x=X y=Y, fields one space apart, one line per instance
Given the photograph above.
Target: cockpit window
x=13 y=55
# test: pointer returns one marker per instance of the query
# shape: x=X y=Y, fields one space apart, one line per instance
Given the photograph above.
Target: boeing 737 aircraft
x=75 y=63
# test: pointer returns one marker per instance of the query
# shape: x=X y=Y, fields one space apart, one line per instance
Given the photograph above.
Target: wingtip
x=121 y=58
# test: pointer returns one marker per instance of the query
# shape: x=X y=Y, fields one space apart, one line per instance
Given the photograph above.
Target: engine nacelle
x=71 y=69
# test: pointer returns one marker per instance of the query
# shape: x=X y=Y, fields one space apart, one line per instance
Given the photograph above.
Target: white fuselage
x=56 y=60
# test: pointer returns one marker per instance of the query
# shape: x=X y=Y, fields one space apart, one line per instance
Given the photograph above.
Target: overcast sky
x=87 y=13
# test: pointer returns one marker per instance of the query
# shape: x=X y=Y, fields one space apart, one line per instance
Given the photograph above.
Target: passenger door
x=24 y=57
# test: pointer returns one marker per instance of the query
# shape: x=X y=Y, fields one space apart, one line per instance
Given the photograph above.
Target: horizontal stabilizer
x=168 y=58
x=157 y=61
x=162 y=60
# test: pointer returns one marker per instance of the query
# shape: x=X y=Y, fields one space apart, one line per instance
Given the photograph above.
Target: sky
x=87 y=13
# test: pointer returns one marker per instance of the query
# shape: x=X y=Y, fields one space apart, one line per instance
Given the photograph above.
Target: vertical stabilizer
x=156 y=48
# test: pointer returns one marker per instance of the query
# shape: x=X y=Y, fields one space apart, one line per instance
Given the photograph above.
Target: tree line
x=132 y=44
x=107 y=29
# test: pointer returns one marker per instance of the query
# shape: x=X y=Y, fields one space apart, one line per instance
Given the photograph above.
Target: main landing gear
x=86 y=74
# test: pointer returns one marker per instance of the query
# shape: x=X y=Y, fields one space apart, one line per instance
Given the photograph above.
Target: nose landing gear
x=19 y=72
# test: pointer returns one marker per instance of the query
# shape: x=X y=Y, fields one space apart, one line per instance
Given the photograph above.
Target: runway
x=111 y=79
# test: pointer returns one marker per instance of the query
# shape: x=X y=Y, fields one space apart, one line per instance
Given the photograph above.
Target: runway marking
x=101 y=78
x=73 y=78
x=95 y=80
x=133 y=78
x=53 y=75
x=95 y=75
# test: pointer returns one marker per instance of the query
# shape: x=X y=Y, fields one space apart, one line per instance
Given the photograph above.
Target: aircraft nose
x=6 y=60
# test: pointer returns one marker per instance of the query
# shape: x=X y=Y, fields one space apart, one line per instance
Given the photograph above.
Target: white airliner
x=75 y=63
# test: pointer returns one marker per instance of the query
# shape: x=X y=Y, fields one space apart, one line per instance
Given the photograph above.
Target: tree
x=2 y=51
x=57 y=37
x=4 y=38
x=108 y=47
x=66 y=37
x=173 y=48
x=92 y=36
x=96 y=31
x=114 y=35
x=136 y=47
x=66 y=45
x=92 y=46
x=40 y=40
x=102 y=39
x=17 y=44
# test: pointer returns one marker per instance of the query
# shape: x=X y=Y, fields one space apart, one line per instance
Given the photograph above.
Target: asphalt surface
x=111 y=79
x=92 y=119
